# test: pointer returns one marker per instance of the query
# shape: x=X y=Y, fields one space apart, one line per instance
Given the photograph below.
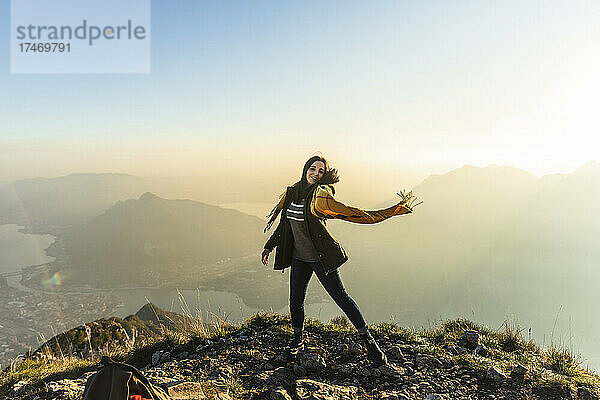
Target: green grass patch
x=395 y=332
x=35 y=371
x=561 y=361
x=264 y=319
x=340 y=324
x=474 y=363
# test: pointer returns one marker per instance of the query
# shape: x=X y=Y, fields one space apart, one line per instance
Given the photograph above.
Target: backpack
x=120 y=381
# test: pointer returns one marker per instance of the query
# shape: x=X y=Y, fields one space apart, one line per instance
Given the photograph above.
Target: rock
x=518 y=371
x=183 y=355
x=584 y=393
x=434 y=396
x=469 y=339
x=553 y=390
x=66 y=388
x=495 y=375
x=344 y=349
x=281 y=358
x=223 y=395
x=18 y=386
x=166 y=356
x=480 y=350
x=277 y=377
x=312 y=361
x=223 y=372
x=279 y=394
x=185 y=391
x=355 y=348
x=87 y=375
x=396 y=353
x=156 y=357
x=425 y=360
x=299 y=370
x=389 y=370
x=309 y=389
x=456 y=350
x=268 y=366
x=346 y=369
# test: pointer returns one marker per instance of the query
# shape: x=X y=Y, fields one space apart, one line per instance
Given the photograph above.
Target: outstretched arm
x=325 y=206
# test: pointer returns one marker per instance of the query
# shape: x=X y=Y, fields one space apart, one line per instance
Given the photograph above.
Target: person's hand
x=408 y=200
x=265 y=256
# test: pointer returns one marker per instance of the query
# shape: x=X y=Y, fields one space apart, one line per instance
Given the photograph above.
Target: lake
x=19 y=250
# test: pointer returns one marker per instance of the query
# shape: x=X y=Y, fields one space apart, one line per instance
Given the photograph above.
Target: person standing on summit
x=304 y=243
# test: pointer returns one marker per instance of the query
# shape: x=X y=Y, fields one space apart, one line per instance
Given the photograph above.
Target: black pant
x=299 y=278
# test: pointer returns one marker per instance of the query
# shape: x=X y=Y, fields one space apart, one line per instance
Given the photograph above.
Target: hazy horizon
x=382 y=184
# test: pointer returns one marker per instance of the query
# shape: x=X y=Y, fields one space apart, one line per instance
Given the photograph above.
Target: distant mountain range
x=45 y=205
x=152 y=239
x=48 y=205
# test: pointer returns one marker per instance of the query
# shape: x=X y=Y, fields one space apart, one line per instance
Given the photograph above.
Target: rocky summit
x=456 y=360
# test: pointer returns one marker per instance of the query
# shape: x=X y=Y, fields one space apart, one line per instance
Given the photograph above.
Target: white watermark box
x=80 y=36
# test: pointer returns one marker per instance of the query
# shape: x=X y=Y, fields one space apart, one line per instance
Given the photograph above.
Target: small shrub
x=458 y=326
x=314 y=323
x=437 y=335
x=267 y=319
x=341 y=324
x=510 y=338
x=561 y=361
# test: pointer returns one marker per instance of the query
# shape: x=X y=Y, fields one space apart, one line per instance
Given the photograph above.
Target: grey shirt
x=304 y=249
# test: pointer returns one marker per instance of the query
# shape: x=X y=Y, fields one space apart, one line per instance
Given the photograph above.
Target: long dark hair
x=303 y=187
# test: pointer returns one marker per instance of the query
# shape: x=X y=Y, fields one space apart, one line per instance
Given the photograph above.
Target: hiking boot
x=296 y=344
x=374 y=353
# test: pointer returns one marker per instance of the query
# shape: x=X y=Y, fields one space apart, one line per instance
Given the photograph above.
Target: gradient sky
x=409 y=88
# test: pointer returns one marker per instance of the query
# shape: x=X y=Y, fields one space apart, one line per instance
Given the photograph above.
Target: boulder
x=425 y=360
x=186 y=391
x=518 y=371
x=584 y=393
x=309 y=389
x=434 y=396
x=481 y=350
x=279 y=394
x=469 y=339
x=495 y=375
x=312 y=361
x=395 y=353
x=390 y=370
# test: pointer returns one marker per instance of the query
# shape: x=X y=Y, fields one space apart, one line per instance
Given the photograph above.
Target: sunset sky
x=409 y=88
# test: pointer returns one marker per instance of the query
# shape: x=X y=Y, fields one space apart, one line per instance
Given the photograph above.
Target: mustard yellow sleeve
x=323 y=205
